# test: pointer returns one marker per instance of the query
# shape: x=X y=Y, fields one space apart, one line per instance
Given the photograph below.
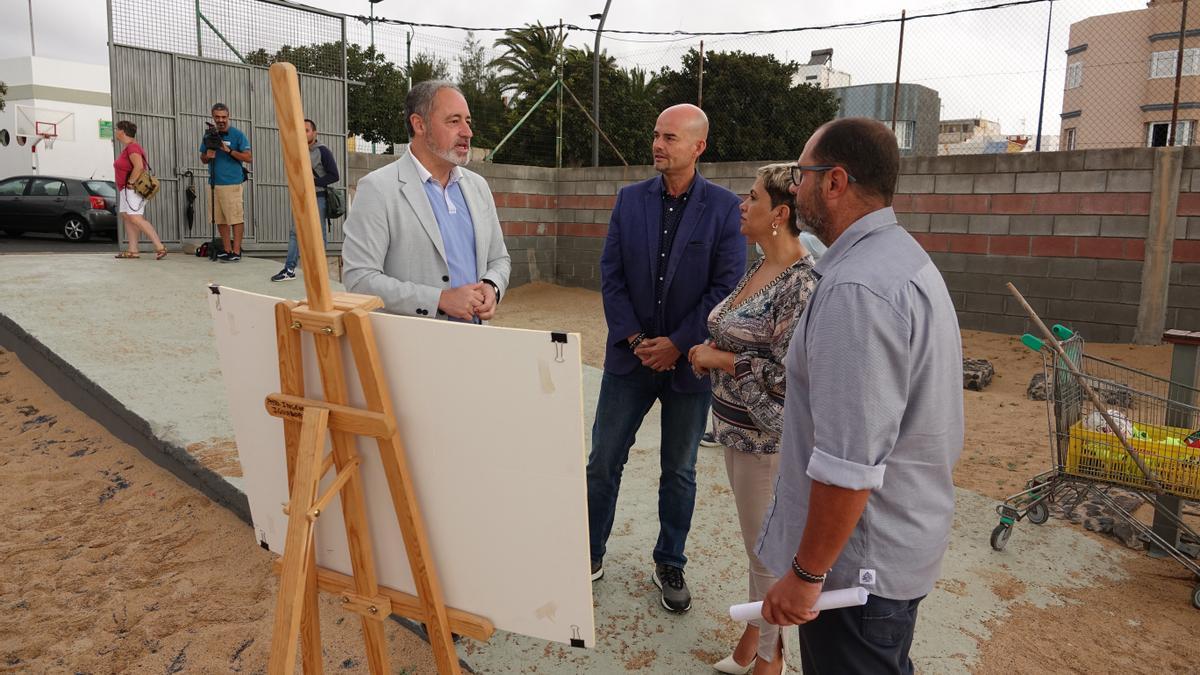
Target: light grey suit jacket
x=393 y=247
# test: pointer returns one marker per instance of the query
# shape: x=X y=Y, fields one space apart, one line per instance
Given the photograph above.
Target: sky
x=983 y=63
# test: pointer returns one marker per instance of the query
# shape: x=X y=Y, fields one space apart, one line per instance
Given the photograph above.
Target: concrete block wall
x=1067 y=228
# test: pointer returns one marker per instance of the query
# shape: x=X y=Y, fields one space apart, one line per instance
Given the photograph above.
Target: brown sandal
x=160 y=253
x=125 y=255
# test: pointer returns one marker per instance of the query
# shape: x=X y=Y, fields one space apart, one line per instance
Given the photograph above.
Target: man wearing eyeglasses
x=873 y=419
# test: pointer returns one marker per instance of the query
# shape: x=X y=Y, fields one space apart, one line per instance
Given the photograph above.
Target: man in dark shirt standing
x=325 y=173
x=673 y=251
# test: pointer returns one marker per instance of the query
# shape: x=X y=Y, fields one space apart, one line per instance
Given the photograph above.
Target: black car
x=77 y=208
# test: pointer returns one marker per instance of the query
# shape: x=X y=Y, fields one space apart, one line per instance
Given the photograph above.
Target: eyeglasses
x=798 y=169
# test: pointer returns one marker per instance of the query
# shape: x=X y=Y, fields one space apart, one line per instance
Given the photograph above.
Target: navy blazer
x=706 y=261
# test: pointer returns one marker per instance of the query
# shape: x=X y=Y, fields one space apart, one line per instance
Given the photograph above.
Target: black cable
x=681 y=33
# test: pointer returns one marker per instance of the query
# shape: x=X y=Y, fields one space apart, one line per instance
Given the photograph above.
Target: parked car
x=76 y=208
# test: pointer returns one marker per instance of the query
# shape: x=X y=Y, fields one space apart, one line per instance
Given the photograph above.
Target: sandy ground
x=110 y=564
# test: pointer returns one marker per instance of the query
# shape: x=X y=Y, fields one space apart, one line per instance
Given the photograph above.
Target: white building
x=819 y=71
x=77 y=95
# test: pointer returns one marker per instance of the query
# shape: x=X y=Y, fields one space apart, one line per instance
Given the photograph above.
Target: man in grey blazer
x=423 y=233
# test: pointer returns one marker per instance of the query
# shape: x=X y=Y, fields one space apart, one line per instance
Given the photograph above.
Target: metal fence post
x=896 y=89
x=1178 y=75
x=1037 y=143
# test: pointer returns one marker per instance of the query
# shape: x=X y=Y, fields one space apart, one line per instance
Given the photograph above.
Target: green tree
x=375 y=108
x=527 y=66
x=426 y=66
x=376 y=93
x=628 y=107
x=481 y=87
x=755 y=112
x=320 y=59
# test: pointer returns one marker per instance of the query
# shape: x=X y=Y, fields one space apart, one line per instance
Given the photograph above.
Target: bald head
x=680 y=137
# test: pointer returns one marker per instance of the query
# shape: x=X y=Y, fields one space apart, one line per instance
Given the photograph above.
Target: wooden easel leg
x=297 y=552
x=311 y=659
x=354 y=511
x=291 y=381
x=408 y=514
x=291 y=376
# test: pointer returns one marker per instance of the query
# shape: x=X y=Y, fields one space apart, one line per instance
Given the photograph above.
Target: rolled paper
x=845 y=597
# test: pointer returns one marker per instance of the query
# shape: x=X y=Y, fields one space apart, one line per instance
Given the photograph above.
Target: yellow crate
x=1101 y=456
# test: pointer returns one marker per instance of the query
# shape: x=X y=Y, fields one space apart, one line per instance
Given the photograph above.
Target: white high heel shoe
x=728 y=665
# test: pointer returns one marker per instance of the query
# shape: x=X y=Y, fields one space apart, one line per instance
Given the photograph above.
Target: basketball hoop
x=39 y=126
x=45 y=139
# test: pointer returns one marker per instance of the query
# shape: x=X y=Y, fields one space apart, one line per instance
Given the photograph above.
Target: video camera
x=212 y=137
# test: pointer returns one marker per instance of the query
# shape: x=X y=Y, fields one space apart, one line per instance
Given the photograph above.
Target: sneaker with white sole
x=708 y=440
x=675 y=594
x=597 y=569
x=284 y=275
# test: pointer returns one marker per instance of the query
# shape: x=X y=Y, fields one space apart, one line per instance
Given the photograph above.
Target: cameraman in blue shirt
x=225 y=147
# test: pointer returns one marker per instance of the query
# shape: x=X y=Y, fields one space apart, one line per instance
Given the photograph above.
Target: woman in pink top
x=129 y=165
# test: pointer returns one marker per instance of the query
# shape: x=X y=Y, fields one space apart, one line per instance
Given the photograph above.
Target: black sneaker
x=284 y=275
x=597 y=569
x=708 y=440
x=222 y=257
x=675 y=594
x=235 y=257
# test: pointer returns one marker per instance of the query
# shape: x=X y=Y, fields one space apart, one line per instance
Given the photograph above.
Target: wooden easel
x=330 y=317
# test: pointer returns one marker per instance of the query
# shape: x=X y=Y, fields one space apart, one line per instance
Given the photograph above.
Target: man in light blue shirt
x=423 y=233
x=873 y=417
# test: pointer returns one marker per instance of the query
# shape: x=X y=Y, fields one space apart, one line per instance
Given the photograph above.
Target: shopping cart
x=1111 y=426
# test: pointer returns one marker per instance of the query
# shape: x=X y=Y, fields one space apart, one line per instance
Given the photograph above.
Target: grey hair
x=220 y=106
x=420 y=100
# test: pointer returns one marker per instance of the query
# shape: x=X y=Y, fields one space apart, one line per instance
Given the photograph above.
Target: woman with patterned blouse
x=750 y=332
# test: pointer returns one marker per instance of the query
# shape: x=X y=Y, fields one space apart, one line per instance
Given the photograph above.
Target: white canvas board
x=492 y=422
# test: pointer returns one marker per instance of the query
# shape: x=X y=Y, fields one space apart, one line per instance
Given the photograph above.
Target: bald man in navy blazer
x=673 y=251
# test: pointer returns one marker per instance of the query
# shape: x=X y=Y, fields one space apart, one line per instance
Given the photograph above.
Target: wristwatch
x=495 y=288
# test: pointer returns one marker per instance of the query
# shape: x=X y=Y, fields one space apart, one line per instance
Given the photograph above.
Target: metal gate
x=169 y=95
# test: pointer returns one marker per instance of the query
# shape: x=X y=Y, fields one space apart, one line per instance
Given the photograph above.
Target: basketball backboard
x=34 y=121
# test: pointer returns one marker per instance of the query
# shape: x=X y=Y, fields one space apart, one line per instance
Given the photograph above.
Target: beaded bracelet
x=805 y=575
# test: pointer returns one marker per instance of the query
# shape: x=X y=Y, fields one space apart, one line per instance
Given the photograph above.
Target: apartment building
x=1120 y=79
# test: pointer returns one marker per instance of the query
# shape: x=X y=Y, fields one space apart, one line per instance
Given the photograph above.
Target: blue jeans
x=624 y=402
x=874 y=638
x=293 y=254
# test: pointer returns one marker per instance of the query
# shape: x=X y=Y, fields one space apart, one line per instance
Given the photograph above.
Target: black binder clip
x=576 y=641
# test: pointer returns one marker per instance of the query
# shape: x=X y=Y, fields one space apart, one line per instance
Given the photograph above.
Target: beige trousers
x=752 y=477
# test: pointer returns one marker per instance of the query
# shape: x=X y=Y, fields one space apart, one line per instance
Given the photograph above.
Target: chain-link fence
x=975 y=76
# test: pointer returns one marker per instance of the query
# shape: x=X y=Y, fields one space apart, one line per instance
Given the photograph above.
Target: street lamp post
x=373 y=3
x=596 y=84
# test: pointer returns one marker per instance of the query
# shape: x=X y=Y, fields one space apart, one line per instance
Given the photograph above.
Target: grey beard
x=450 y=156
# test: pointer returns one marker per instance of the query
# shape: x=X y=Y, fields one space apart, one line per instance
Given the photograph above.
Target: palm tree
x=643 y=85
x=527 y=66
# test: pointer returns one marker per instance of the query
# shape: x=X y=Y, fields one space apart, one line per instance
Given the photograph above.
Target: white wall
x=88 y=155
x=823 y=76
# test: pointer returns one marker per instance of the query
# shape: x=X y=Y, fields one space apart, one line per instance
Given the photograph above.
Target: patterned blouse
x=748 y=406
